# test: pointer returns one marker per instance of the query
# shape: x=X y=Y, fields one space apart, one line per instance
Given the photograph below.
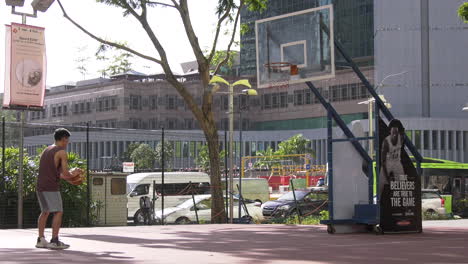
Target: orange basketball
x=77 y=180
x=78 y=177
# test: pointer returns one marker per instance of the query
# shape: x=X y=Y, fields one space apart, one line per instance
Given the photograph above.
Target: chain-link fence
x=110 y=197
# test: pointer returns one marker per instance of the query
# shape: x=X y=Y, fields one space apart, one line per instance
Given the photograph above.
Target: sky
x=64 y=40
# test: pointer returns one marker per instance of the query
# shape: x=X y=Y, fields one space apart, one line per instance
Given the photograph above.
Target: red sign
x=25 y=77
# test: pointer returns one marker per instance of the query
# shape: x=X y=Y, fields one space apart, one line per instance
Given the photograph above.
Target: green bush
x=294 y=220
x=74 y=197
x=435 y=216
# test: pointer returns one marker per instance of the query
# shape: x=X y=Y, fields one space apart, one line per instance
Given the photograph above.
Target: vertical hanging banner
x=399 y=183
x=25 y=79
x=6 y=92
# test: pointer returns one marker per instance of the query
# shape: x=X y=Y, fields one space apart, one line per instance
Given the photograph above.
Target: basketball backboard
x=292 y=47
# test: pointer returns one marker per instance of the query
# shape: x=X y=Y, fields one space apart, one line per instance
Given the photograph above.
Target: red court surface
x=441 y=242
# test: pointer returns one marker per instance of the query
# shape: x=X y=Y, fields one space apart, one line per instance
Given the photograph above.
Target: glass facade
x=354 y=28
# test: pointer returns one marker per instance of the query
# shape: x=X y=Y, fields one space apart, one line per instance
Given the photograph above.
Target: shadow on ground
x=306 y=243
x=28 y=255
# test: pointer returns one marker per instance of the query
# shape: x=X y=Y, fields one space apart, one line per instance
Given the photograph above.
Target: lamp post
x=216 y=80
x=41 y=5
x=247 y=93
x=370 y=109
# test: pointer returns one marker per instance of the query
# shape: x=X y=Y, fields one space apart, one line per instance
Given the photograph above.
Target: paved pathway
x=441 y=242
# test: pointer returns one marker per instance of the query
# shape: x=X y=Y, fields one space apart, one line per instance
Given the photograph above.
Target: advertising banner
x=399 y=183
x=26 y=69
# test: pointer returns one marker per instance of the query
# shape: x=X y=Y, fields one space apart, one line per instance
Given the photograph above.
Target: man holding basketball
x=53 y=166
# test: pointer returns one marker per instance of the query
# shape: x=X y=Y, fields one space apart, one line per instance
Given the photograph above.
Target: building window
x=188 y=124
x=335 y=93
x=135 y=123
x=275 y=100
x=224 y=102
x=299 y=97
x=171 y=102
x=153 y=102
x=65 y=110
x=283 y=100
x=266 y=101
x=344 y=92
x=171 y=123
x=435 y=144
x=442 y=140
x=354 y=91
x=135 y=102
x=82 y=108
x=113 y=103
x=88 y=107
x=308 y=97
x=450 y=140
x=426 y=139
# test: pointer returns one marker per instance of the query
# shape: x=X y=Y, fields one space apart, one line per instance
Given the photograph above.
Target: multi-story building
x=418 y=50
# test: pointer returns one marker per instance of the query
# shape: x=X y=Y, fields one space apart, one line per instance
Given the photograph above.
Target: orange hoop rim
x=277 y=65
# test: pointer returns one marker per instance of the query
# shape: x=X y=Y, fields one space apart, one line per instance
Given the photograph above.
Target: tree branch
x=228 y=53
x=159 y=3
x=110 y=43
x=188 y=98
x=193 y=39
x=218 y=29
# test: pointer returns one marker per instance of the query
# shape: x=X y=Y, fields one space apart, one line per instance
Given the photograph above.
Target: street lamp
x=370 y=103
x=41 y=5
x=247 y=93
x=216 y=80
x=465 y=107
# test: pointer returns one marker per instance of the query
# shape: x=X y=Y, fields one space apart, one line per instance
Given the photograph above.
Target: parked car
x=184 y=213
x=309 y=201
x=432 y=202
x=176 y=186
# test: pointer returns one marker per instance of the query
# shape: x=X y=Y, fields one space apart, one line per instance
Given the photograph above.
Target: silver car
x=184 y=213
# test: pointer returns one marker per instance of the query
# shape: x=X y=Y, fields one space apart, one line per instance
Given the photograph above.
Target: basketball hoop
x=277 y=67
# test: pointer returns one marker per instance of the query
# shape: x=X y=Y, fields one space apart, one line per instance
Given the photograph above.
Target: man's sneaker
x=42 y=242
x=57 y=244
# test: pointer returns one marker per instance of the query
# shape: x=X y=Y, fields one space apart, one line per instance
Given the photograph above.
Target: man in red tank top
x=53 y=166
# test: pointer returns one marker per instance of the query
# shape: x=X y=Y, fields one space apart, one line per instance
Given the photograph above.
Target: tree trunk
x=218 y=214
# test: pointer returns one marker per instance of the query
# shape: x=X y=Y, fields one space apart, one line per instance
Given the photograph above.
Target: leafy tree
x=144 y=157
x=119 y=62
x=168 y=154
x=126 y=155
x=226 y=69
x=463 y=12
x=267 y=161
x=294 y=145
x=227 y=12
x=203 y=158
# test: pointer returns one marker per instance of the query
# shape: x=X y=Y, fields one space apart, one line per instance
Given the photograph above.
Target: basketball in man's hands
x=78 y=176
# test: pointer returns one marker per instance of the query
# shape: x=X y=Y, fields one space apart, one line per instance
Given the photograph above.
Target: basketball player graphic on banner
x=391 y=166
x=398 y=183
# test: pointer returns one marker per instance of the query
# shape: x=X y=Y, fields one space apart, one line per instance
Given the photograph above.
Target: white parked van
x=177 y=189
